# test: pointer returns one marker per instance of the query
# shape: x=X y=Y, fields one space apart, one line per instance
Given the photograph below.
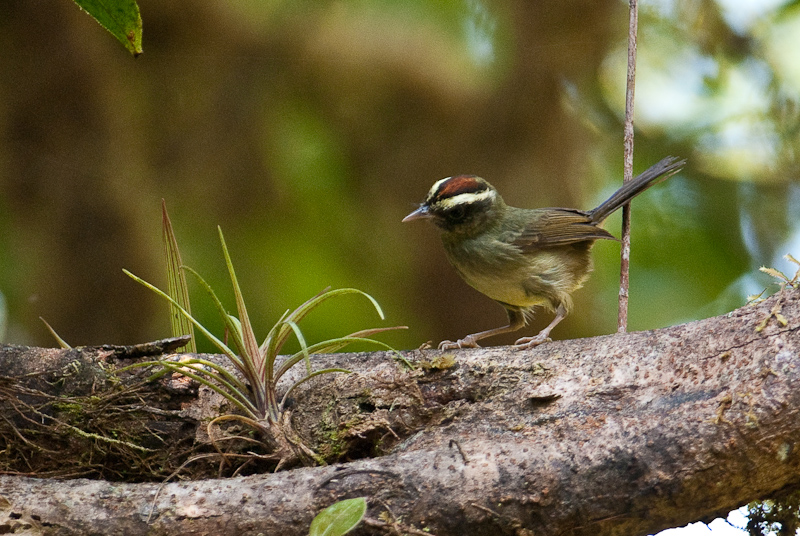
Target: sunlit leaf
x=268 y=349
x=120 y=17
x=257 y=396
x=339 y=518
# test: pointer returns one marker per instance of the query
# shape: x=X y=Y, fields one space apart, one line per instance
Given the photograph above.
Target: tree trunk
x=621 y=434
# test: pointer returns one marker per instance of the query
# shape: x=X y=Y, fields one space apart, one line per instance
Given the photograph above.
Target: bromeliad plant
x=256 y=397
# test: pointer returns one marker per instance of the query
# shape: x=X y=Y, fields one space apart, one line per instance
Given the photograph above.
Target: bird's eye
x=457 y=213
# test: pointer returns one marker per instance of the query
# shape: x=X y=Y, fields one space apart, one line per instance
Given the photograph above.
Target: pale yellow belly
x=543 y=280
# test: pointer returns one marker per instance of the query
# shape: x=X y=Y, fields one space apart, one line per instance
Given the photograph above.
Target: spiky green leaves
x=258 y=364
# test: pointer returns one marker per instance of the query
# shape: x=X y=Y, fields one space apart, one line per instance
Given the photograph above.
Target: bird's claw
x=531 y=342
x=466 y=342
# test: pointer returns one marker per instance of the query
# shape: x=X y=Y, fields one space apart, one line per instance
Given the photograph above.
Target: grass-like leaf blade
x=303 y=310
x=250 y=350
x=61 y=342
x=218 y=343
x=330 y=345
x=231 y=323
x=222 y=387
x=176 y=282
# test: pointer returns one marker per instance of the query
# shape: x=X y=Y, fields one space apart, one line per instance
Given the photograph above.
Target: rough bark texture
x=623 y=434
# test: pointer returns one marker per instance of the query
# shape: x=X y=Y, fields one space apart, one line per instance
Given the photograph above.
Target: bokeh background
x=308 y=129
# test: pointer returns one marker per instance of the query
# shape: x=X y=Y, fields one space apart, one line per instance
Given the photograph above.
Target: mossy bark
x=623 y=434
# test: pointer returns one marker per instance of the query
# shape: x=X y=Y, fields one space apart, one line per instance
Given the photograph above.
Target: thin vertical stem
x=624 y=281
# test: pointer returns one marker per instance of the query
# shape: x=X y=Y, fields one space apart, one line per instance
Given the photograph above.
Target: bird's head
x=460 y=204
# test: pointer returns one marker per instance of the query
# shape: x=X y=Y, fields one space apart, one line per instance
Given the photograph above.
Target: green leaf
x=303 y=310
x=218 y=343
x=247 y=364
x=250 y=351
x=339 y=518
x=219 y=373
x=120 y=17
x=268 y=349
x=231 y=322
x=176 y=282
x=216 y=382
x=303 y=346
x=234 y=328
x=331 y=345
x=61 y=342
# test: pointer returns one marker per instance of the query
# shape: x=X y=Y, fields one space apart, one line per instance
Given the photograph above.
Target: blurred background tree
x=307 y=130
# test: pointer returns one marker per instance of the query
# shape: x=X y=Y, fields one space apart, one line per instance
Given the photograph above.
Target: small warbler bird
x=522 y=258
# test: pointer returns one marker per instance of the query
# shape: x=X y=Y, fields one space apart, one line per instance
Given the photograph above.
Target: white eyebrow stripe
x=435 y=188
x=467 y=198
x=440 y=181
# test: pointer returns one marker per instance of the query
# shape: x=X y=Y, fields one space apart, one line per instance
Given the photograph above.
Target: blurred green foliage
x=309 y=129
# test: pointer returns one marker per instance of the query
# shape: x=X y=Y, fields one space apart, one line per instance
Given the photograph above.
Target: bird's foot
x=530 y=342
x=466 y=342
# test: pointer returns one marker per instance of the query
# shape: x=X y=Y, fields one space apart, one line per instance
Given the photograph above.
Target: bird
x=522 y=258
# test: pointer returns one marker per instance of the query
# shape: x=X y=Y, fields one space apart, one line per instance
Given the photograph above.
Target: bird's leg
x=544 y=335
x=516 y=320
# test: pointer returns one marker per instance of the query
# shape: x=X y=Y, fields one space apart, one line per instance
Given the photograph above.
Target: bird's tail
x=662 y=170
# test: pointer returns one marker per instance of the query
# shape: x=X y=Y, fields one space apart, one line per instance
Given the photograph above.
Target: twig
x=147 y=349
x=170 y=477
x=624 y=280
x=460 y=451
x=338 y=475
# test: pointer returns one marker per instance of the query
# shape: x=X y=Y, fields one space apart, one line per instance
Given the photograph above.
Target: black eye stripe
x=463 y=210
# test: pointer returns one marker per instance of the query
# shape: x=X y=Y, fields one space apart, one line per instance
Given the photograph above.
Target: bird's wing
x=559 y=227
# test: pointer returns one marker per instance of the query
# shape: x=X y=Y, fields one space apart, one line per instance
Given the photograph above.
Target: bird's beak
x=420 y=214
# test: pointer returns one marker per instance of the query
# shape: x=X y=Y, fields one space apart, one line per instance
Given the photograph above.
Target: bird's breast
x=504 y=273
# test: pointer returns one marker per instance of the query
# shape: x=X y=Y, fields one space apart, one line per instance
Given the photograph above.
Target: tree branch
x=621 y=434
